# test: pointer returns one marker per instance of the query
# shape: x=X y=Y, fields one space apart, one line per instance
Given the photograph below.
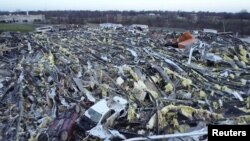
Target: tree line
x=233 y=22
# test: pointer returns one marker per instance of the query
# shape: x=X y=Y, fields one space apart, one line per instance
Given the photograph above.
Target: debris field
x=89 y=83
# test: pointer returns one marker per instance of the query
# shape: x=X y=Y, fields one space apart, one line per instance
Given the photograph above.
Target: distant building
x=210 y=31
x=151 y=14
x=21 y=18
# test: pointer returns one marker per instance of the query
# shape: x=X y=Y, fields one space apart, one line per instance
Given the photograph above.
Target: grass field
x=17 y=27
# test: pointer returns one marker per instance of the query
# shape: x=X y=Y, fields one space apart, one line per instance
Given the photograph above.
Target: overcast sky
x=171 y=5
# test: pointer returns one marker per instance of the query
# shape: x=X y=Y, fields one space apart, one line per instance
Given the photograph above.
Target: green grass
x=17 y=27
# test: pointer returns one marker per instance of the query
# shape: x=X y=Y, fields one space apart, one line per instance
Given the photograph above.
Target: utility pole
x=88 y=17
x=224 y=28
x=100 y=18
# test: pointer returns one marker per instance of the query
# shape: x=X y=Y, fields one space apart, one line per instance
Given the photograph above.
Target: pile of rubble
x=91 y=83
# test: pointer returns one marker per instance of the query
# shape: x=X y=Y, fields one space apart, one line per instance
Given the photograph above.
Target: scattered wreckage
x=44 y=29
x=90 y=83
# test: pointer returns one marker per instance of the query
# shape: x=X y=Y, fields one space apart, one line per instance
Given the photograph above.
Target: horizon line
x=243 y=10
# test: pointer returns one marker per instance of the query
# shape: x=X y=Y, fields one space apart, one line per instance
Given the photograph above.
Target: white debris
x=213 y=57
x=120 y=70
x=193 y=134
x=52 y=95
x=243 y=81
x=220 y=103
x=110 y=26
x=89 y=95
x=237 y=95
x=119 y=103
x=102 y=133
x=21 y=77
x=105 y=58
x=84 y=90
x=63 y=102
x=190 y=55
x=89 y=65
x=119 y=81
x=29 y=47
x=79 y=74
x=224 y=74
x=133 y=53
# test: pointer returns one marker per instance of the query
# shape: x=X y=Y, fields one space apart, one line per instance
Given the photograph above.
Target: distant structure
x=210 y=31
x=21 y=18
x=110 y=26
x=151 y=14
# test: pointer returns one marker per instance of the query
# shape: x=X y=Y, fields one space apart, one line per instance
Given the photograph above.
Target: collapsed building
x=128 y=86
